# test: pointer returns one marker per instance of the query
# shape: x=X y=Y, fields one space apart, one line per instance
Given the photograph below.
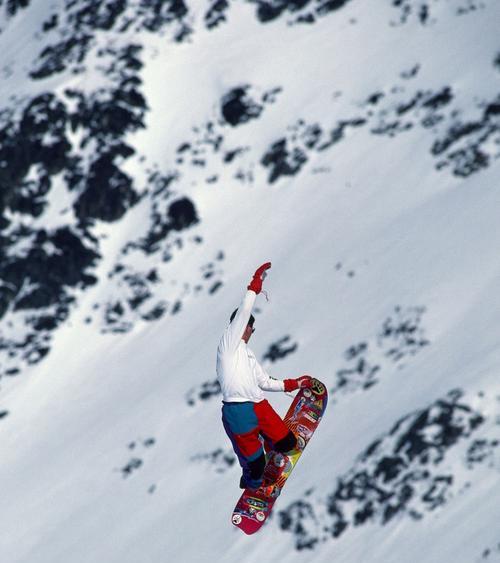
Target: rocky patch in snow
x=491 y=553
x=148 y=292
x=208 y=151
x=38 y=282
x=12 y=7
x=418 y=466
x=424 y=11
x=203 y=392
x=468 y=146
x=139 y=292
x=74 y=143
x=496 y=62
x=136 y=462
x=287 y=155
x=401 y=336
x=74 y=31
x=280 y=349
x=218 y=461
x=464 y=144
x=238 y=107
x=482 y=451
x=167 y=216
x=300 y=11
x=216 y=14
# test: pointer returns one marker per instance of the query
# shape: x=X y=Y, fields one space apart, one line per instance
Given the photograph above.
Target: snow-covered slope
x=152 y=155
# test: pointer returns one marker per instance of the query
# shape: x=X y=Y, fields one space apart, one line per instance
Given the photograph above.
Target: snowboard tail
x=303 y=417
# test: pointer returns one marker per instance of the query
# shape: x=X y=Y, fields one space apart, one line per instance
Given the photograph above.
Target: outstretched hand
x=258 y=278
x=305 y=381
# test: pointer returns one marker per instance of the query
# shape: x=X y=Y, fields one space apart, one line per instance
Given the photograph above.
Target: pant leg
x=273 y=428
x=289 y=442
x=241 y=425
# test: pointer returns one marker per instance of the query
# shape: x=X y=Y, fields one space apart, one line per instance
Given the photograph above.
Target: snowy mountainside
x=152 y=154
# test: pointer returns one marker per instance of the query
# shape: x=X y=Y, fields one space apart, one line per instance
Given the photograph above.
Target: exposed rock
x=269 y=10
x=468 y=141
x=283 y=161
x=280 y=349
x=12 y=7
x=401 y=336
x=423 y=10
x=237 y=106
x=39 y=278
x=496 y=61
x=39 y=139
x=133 y=465
x=219 y=460
x=216 y=14
x=108 y=192
x=68 y=53
x=203 y=392
x=401 y=473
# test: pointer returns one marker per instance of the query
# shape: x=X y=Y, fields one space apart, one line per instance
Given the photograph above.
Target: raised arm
x=236 y=328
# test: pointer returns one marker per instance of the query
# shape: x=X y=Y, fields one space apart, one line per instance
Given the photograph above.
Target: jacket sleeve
x=233 y=333
x=266 y=382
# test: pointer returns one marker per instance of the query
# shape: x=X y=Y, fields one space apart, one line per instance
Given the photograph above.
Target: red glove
x=299 y=383
x=258 y=278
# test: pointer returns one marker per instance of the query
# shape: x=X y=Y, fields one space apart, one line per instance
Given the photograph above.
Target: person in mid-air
x=247 y=416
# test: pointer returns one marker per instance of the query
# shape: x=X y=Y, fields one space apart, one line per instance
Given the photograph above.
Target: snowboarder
x=248 y=418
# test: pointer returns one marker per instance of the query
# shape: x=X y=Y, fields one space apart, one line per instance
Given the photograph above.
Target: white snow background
x=366 y=226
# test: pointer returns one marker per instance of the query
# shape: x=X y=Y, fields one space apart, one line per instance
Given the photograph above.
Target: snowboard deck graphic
x=303 y=417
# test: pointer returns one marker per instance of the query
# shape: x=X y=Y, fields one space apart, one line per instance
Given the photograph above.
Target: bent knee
x=287 y=443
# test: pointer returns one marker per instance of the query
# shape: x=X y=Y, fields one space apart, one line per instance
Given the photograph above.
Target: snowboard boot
x=277 y=464
x=244 y=485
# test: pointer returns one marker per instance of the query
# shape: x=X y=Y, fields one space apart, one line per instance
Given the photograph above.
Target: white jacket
x=240 y=375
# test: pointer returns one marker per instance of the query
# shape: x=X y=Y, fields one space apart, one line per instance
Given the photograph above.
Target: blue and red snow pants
x=248 y=424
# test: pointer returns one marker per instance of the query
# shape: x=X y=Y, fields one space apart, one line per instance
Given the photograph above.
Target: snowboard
x=303 y=417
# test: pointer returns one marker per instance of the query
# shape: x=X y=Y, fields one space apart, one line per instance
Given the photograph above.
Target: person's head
x=249 y=329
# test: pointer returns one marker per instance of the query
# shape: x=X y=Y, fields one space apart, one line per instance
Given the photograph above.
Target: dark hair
x=250 y=321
